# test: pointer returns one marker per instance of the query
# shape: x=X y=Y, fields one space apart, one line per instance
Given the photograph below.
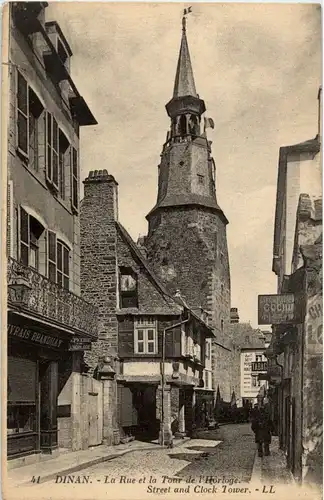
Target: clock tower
x=186 y=243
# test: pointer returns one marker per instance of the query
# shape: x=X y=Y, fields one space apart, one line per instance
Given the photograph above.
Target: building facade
x=48 y=321
x=295 y=352
x=249 y=361
x=155 y=345
x=253 y=363
x=186 y=243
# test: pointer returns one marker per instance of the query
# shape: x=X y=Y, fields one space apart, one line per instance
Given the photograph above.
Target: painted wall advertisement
x=314 y=325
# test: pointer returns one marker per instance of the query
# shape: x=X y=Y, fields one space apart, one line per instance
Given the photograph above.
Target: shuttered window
x=58 y=261
x=29 y=110
x=22 y=114
x=30 y=232
x=74 y=180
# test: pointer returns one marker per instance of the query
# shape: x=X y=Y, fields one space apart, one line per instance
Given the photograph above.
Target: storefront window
x=21 y=418
x=21 y=390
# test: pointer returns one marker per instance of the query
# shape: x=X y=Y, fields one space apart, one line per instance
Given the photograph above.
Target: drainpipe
x=168 y=328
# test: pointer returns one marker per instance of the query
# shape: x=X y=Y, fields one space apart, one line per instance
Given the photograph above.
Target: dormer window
x=201 y=179
x=128 y=288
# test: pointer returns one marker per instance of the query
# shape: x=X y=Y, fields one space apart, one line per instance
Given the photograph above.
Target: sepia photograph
x=161 y=250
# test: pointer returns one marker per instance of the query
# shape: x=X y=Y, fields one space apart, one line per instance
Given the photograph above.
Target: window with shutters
x=58 y=261
x=74 y=180
x=145 y=335
x=29 y=111
x=128 y=288
x=31 y=231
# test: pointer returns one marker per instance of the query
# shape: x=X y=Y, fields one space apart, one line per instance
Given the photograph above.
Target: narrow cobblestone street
x=225 y=463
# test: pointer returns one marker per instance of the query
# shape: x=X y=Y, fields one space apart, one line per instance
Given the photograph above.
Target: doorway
x=95 y=413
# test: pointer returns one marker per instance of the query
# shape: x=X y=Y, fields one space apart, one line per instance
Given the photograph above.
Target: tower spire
x=184 y=81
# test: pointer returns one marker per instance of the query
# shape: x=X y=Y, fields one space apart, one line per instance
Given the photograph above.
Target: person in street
x=262 y=426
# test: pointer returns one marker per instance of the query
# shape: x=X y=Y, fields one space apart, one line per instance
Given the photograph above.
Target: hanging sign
x=79 y=344
x=276 y=309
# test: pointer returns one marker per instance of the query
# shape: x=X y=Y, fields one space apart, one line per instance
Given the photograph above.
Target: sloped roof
x=184 y=81
x=189 y=199
x=170 y=300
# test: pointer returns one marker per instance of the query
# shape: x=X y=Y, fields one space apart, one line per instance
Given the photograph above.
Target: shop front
x=34 y=353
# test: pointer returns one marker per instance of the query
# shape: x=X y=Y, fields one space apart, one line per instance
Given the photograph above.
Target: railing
x=30 y=291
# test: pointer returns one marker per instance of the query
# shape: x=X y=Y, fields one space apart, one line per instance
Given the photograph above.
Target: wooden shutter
x=22 y=115
x=52 y=252
x=48 y=143
x=10 y=219
x=24 y=236
x=55 y=153
x=74 y=179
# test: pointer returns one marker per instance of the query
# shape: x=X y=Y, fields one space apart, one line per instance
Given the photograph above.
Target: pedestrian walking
x=262 y=426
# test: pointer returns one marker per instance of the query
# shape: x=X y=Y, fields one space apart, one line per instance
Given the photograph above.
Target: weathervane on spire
x=185 y=13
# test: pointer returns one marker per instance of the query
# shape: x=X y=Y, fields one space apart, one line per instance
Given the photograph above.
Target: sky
x=258 y=69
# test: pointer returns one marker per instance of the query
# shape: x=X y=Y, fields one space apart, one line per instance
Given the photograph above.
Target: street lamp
x=19 y=291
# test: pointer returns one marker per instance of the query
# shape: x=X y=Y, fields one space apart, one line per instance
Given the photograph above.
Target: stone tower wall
x=188 y=250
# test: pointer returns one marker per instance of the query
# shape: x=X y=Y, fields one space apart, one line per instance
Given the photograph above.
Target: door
x=95 y=416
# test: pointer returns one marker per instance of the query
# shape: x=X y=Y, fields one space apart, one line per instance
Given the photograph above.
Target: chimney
x=234 y=315
x=101 y=188
x=141 y=245
x=98 y=243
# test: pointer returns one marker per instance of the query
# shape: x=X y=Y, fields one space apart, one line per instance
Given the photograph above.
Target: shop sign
x=80 y=344
x=276 y=309
x=35 y=337
x=259 y=366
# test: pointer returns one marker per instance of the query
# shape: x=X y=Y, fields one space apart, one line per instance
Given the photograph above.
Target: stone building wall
x=99 y=259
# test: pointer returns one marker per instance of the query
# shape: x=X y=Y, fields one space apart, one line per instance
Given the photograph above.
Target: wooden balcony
x=36 y=296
